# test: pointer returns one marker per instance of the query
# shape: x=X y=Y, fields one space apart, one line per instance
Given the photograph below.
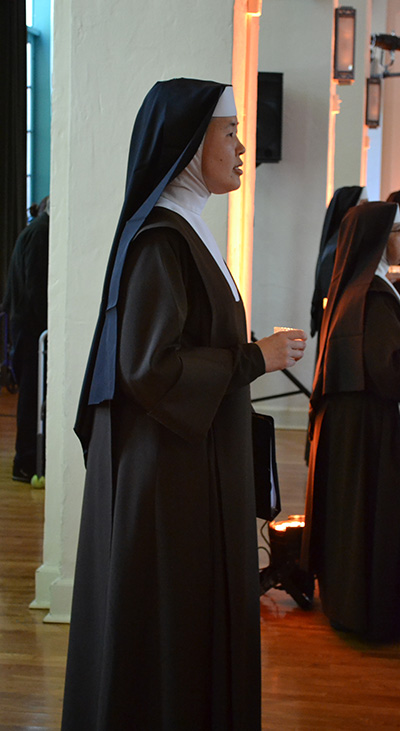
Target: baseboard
x=52 y=618
x=60 y=601
x=284 y=417
x=45 y=576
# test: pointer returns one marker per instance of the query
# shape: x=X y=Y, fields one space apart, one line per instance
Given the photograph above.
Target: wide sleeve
x=382 y=344
x=164 y=365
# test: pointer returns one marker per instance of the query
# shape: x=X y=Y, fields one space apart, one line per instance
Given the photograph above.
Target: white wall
x=106 y=57
x=295 y=38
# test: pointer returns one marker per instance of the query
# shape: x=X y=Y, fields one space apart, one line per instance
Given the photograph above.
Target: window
x=38 y=59
x=29 y=12
x=29 y=118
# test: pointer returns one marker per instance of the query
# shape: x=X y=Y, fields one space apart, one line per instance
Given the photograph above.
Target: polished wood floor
x=32 y=654
x=313 y=677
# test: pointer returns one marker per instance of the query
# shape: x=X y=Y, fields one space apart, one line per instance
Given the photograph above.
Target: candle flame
x=293 y=521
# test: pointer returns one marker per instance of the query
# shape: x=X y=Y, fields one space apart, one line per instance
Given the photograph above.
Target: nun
x=343 y=199
x=165 y=618
x=351 y=536
x=394 y=197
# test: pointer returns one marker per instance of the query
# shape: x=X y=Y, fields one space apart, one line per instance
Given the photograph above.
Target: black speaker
x=269 y=117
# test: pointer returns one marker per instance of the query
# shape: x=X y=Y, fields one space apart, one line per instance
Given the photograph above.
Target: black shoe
x=339 y=627
x=21 y=475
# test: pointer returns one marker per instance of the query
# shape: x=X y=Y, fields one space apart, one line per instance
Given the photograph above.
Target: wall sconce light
x=345 y=38
x=373 y=104
x=254 y=7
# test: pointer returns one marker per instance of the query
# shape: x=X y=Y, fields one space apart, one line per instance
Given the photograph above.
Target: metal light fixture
x=345 y=37
x=386 y=43
x=373 y=104
x=381 y=43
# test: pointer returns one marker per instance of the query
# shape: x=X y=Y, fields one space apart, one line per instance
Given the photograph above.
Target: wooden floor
x=32 y=654
x=313 y=677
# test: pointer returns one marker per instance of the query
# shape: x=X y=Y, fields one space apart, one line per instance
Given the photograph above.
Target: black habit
x=352 y=536
x=25 y=302
x=165 y=617
x=165 y=621
x=394 y=197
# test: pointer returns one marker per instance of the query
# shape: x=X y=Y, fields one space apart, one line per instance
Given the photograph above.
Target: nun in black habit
x=342 y=200
x=352 y=536
x=165 y=617
x=394 y=197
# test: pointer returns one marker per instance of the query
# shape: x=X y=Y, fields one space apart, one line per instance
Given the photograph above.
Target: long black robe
x=25 y=299
x=165 y=620
x=26 y=303
x=352 y=536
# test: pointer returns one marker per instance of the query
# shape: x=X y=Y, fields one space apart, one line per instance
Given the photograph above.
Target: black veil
x=167 y=132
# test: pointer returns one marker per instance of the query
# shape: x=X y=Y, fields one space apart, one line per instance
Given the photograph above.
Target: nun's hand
x=283 y=349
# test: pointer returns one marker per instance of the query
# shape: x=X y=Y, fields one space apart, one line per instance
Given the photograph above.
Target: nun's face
x=393 y=248
x=221 y=163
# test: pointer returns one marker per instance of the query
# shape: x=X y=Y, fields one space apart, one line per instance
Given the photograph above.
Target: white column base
x=44 y=577
x=60 y=601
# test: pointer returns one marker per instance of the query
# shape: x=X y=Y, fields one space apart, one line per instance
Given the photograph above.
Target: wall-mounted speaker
x=269 y=117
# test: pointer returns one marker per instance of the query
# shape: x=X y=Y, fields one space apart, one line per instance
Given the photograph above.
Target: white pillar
x=241 y=203
x=106 y=58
